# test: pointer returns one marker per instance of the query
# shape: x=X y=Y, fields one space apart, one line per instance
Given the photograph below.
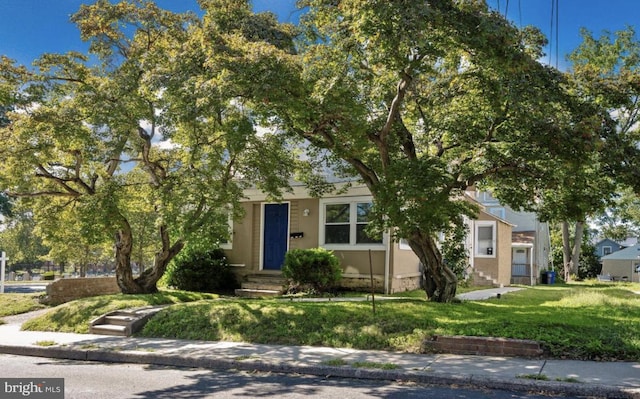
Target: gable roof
x=605 y=241
x=631 y=253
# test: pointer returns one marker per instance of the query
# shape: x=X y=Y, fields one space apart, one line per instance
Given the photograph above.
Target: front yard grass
x=571 y=321
x=11 y=304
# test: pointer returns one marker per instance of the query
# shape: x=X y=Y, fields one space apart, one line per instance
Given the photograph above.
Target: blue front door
x=276 y=227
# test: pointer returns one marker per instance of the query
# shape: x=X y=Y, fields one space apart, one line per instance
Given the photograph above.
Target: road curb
x=431 y=378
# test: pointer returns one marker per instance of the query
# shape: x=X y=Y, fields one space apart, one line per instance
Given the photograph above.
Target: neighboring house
x=622 y=265
x=529 y=243
x=489 y=247
x=607 y=247
x=268 y=230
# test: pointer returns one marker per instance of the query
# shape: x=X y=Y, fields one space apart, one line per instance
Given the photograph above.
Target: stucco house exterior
x=622 y=265
x=530 y=239
x=268 y=230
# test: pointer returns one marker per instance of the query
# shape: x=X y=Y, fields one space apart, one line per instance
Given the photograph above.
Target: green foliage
x=317 y=268
x=202 y=272
x=576 y=322
x=622 y=219
x=11 y=304
x=589 y=266
x=75 y=316
x=454 y=252
x=589 y=263
x=148 y=74
x=48 y=275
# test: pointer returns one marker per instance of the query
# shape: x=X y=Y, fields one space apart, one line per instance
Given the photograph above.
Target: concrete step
x=256 y=285
x=481 y=279
x=123 y=322
x=256 y=293
x=108 y=329
x=119 y=320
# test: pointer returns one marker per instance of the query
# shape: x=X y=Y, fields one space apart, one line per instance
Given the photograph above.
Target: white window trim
x=485 y=223
x=610 y=250
x=352 y=246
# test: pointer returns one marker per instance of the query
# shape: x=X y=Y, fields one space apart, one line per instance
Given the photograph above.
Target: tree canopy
x=147 y=122
x=156 y=125
x=423 y=101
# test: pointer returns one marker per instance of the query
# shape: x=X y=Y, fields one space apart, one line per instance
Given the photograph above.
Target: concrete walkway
x=564 y=377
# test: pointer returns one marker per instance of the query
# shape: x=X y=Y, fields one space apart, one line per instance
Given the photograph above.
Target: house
x=268 y=230
x=530 y=239
x=489 y=247
x=606 y=247
x=622 y=265
x=337 y=222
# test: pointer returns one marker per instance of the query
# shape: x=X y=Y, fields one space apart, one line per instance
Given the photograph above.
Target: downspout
x=472 y=238
x=549 y=252
x=531 y=263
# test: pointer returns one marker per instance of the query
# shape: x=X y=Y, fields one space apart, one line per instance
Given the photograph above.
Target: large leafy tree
x=18 y=238
x=131 y=128
x=421 y=100
x=604 y=72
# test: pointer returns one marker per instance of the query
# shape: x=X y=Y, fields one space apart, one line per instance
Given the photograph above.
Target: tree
x=589 y=263
x=420 y=100
x=18 y=239
x=604 y=72
x=130 y=128
x=622 y=219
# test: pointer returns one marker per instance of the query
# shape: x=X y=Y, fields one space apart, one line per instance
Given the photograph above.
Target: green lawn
x=11 y=304
x=571 y=321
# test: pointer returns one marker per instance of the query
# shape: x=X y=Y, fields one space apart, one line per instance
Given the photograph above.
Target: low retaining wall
x=69 y=289
x=483 y=346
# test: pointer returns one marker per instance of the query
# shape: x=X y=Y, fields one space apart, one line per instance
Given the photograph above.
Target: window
x=337 y=224
x=485 y=239
x=606 y=250
x=344 y=223
x=227 y=242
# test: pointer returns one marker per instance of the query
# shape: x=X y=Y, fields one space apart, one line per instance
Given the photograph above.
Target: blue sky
x=29 y=28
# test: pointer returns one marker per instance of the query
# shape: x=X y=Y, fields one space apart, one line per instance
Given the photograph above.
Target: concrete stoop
x=260 y=286
x=482 y=279
x=123 y=323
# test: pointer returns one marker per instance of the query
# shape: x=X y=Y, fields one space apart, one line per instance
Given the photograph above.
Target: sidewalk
x=592 y=379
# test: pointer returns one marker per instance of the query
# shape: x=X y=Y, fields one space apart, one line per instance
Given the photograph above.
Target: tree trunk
x=566 y=251
x=440 y=282
x=150 y=276
x=577 y=246
x=124 y=274
x=146 y=282
x=571 y=249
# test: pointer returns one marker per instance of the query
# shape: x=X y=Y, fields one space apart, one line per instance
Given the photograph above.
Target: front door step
x=262 y=285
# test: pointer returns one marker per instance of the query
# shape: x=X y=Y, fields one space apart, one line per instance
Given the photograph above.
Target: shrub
x=48 y=275
x=202 y=272
x=317 y=268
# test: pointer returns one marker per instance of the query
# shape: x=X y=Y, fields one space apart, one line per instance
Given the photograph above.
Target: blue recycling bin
x=551 y=277
x=548 y=277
